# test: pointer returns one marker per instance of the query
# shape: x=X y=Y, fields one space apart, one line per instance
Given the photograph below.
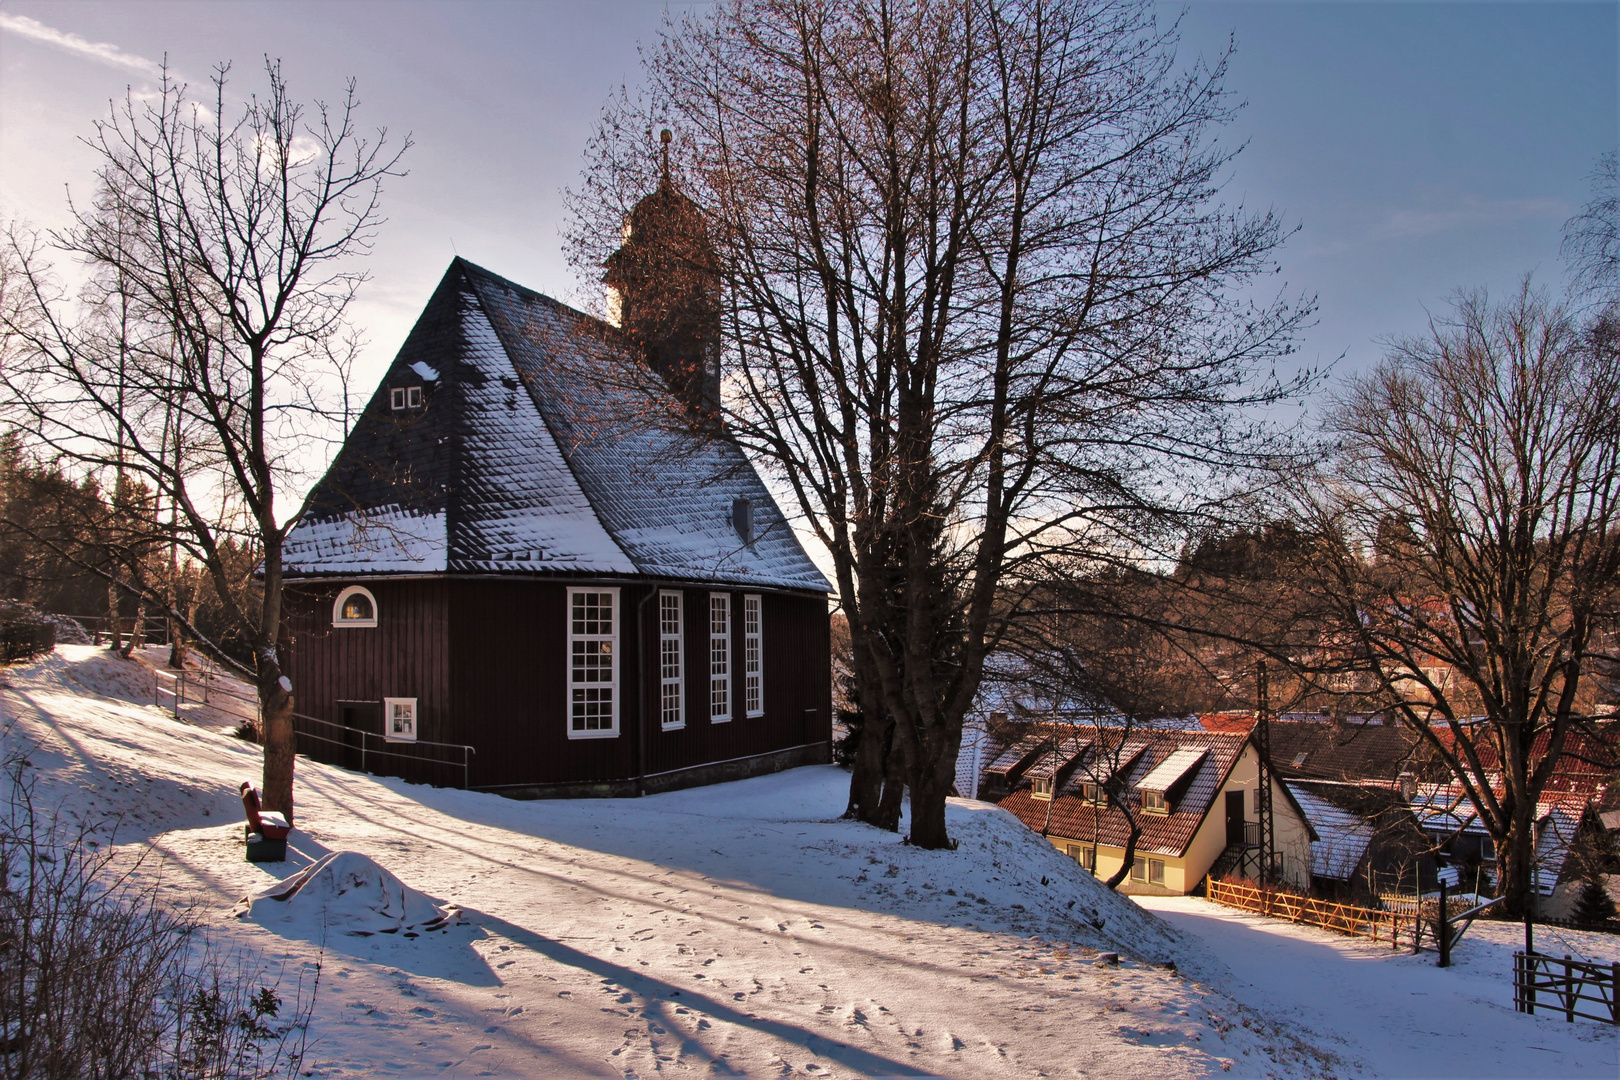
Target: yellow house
x=1193 y=794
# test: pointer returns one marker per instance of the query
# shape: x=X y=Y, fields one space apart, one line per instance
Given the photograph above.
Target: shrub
x=100 y=978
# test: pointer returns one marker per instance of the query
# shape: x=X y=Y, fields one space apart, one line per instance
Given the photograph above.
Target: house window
x=405 y=397
x=1139 y=870
x=753 y=659
x=355 y=607
x=719 y=657
x=671 y=662
x=1155 y=873
x=1040 y=787
x=399 y=714
x=593 y=663
x=1083 y=855
x=1154 y=802
x=1089 y=791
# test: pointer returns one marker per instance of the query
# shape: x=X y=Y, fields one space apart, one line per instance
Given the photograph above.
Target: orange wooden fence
x=1328 y=914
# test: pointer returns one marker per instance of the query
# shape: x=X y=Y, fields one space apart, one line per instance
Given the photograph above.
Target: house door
x=1234 y=818
x=358 y=718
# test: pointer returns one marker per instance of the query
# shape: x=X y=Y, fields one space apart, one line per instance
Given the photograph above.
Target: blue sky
x=1421 y=147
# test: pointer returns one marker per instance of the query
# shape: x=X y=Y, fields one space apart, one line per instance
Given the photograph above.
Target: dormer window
x=1040 y=787
x=1090 y=792
x=1154 y=802
x=355 y=606
x=401 y=398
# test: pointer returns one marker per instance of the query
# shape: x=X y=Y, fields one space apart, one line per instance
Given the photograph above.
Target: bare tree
x=1592 y=237
x=209 y=354
x=976 y=308
x=1478 y=469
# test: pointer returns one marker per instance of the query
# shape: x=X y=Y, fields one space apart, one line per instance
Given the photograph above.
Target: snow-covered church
x=539 y=566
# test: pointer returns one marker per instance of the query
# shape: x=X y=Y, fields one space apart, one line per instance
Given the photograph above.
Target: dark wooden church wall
x=487 y=661
x=405 y=655
x=794 y=642
x=509 y=657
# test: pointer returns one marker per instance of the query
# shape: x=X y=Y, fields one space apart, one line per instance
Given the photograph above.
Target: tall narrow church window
x=719 y=657
x=753 y=658
x=593 y=663
x=671 y=661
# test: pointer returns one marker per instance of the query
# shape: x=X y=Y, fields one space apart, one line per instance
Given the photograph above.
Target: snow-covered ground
x=1392 y=1014
x=736 y=929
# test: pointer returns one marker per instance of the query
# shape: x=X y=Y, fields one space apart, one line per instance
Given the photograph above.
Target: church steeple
x=665 y=278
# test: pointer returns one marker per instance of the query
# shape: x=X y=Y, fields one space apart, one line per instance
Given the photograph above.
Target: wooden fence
x=1563 y=986
x=1389 y=926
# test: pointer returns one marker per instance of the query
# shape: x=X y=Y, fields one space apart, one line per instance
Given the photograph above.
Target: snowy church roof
x=536 y=443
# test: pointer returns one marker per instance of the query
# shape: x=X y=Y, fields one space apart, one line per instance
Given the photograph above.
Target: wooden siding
x=486 y=659
x=794 y=645
x=405 y=655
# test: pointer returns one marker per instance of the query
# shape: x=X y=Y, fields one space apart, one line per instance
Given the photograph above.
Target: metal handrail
x=466 y=750
x=158 y=689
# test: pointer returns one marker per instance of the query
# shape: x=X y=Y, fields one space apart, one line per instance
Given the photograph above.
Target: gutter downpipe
x=641 y=686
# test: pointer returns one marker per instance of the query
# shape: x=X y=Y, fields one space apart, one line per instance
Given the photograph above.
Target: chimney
x=742 y=519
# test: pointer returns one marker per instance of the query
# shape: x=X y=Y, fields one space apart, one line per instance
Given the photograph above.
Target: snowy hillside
x=740 y=928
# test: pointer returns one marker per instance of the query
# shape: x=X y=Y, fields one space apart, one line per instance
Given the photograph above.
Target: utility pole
x=1261 y=738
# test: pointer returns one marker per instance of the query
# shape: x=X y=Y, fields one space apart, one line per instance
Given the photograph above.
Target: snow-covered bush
x=100 y=978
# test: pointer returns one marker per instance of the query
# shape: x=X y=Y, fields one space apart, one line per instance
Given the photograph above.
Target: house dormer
x=1054 y=765
x=1164 y=785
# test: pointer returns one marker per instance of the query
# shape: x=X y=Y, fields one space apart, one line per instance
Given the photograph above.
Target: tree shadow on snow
x=657 y=1001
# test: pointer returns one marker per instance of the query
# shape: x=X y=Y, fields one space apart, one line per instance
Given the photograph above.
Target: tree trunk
x=1517 y=866
x=935 y=778
x=1130 y=850
x=276 y=735
x=177 y=646
x=896 y=776
x=115 y=635
x=877 y=736
x=137 y=631
x=275 y=694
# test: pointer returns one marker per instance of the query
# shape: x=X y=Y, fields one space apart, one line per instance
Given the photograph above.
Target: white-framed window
x=405 y=397
x=1040 y=787
x=399 y=719
x=1139 y=869
x=753 y=658
x=1155 y=871
x=1154 y=802
x=719 y=657
x=354 y=606
x=1083 y=855
x=593 y=663
x=671 y=661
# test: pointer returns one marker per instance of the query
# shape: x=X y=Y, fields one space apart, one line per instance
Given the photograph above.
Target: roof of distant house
x=1325 y=750
x=529 y=437
x=1137 y=753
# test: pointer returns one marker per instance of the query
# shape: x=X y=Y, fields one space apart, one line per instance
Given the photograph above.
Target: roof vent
x=742 y=519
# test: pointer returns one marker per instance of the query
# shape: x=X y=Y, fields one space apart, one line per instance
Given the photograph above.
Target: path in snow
x=737 y=929
x=1395 y=1015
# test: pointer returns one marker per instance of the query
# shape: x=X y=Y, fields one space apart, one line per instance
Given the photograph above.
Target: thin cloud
x=99 y=51
x=1467 y=212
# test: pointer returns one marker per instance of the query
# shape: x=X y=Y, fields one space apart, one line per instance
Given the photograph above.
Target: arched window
x=355 y=607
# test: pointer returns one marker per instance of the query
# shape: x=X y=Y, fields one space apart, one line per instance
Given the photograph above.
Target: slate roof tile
x=543 y=445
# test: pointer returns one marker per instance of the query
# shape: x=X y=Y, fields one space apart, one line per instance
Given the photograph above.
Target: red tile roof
x=1068 y=815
